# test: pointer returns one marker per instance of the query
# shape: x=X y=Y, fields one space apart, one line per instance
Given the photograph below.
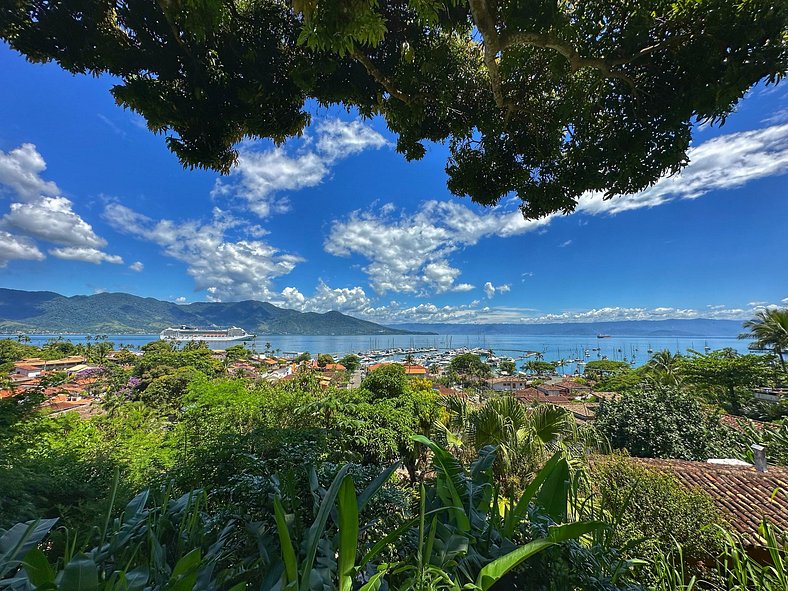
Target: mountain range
x=690 y=327
x=121 y=313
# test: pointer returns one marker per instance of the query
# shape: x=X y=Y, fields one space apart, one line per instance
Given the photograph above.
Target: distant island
x=693 y=327
x=123 y=313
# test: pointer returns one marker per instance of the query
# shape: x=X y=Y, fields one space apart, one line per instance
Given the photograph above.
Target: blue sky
x=91 y=201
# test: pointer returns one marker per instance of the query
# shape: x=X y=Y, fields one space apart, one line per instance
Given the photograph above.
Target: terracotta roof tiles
x=743 y=495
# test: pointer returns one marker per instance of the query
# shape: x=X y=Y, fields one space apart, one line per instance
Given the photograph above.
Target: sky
x=91 y=201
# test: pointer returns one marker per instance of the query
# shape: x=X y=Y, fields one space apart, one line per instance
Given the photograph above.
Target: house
x=743 y=495
x=574 y=389
x=507 y=383
x=61 y=364
x=27 y=371
x=334 y=367
x=444 y=391
x=528 y=395
x=552 y=390
x=415 y=370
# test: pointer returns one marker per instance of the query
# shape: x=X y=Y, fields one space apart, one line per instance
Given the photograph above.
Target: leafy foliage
x=547 y=101
x=661 y=423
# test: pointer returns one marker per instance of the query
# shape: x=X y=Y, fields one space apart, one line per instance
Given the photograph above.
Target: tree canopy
x=543 y=99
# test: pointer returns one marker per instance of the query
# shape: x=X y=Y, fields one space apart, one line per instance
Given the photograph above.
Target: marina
x=569 y=352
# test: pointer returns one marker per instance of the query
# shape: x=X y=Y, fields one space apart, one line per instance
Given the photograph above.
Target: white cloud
x=43 y=214
x=226 y=269
x=490 y=290
x=52 y=219
x=20 y=171
x=339 y=139
x=136 y=266
x=180 y=300
x=17 y=248
x=410 y=253
x=724 y=162
x=85 y=254
x=565 y=244
x=259 y=176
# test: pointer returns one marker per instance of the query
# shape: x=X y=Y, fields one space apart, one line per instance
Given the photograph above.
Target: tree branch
x=576 y=61
x=380 y=77
x=486 y=25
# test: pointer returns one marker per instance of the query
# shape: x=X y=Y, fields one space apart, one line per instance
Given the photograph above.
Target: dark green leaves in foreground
x=546 y=100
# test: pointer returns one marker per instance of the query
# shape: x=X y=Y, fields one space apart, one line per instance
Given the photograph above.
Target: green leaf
x=517 y=514
x=570 y=531
x=375 y=486
x=449 y=469
x=319 y=525
x=16 y=542
x=80 y=574
x=37 y=568
x=554 y=494
x=184 y=575
x=394 y=535
x=348 y=533
x=374 y=581
x=285 y=544
x=495 y=570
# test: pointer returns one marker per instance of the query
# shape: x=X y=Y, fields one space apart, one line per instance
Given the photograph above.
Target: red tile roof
x=743 y=495
x=534 y=395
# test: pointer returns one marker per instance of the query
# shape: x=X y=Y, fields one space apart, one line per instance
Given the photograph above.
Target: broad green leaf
x=285 y=544
x=374 y=581
x=318 y=527
x=554 y=493
x=37 y=568
x=17 y=541
x=348 y=533
x=80 y=574
x=448 y=466
x=517 y=514
x=495 y=570
x=570 y=531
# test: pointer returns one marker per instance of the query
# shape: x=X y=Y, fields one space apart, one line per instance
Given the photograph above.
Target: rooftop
x=743 y=495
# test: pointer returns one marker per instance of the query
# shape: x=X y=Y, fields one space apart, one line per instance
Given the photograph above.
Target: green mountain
x=118 y=313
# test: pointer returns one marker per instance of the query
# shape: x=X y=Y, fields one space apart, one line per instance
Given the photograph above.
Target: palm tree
x=664 y=366
x=525 y=437
x=769 y=329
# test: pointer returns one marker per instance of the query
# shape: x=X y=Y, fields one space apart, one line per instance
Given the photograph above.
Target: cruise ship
x=189 y=333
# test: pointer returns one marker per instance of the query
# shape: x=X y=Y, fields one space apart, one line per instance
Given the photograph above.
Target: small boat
x=603 y=336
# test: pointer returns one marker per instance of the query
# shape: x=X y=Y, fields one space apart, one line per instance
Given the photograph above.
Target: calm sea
x=553 y=348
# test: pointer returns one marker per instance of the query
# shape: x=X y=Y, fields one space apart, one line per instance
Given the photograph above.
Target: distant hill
x=697 y=327
x=120 y=313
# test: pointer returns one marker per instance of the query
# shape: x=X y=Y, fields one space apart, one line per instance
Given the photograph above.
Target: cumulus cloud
x=20 y=173
x=490 y=290
x=41 y=213
x=348 y=300
x=724 y=162
x=260 y=176
x=410 y=253
x=17 y=248
x=52 y=219
x=136 y=266
x=227 y=269
x=85 y=254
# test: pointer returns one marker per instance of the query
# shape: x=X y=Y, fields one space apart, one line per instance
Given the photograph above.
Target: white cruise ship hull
x=248 y=337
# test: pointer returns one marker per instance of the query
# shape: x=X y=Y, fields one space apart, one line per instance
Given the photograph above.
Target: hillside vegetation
x=116 y=313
